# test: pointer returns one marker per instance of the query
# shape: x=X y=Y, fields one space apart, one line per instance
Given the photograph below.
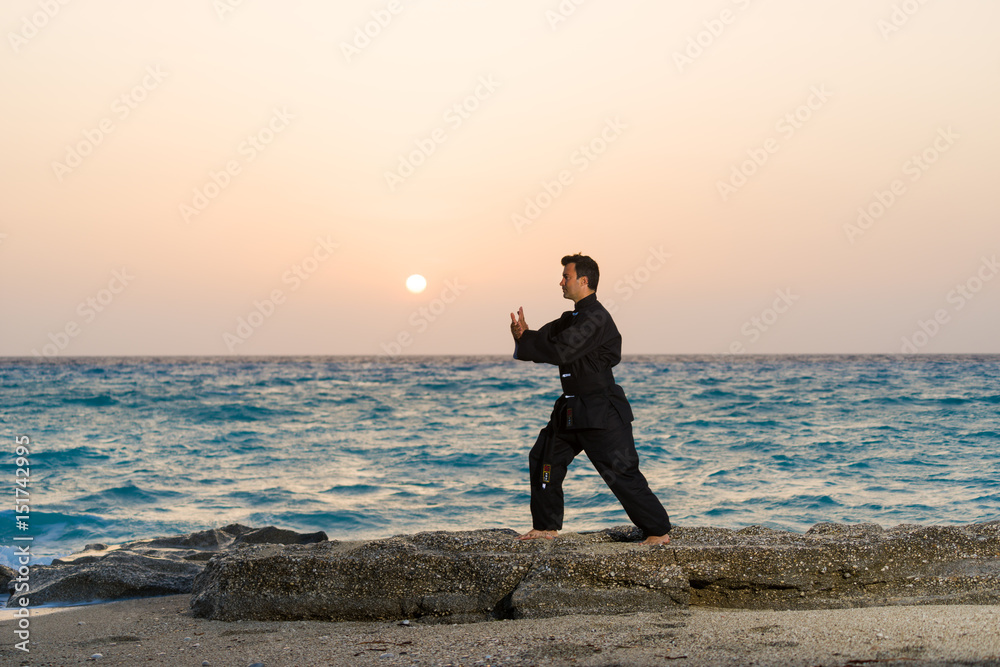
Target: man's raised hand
x=517 y=324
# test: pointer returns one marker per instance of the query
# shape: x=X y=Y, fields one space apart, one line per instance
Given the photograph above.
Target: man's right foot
x=535 y=534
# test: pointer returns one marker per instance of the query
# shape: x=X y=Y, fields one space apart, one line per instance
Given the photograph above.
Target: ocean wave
x=375 y=446
x=125 y=496
x=242 y=412
x=97 y=401
x=72 y=456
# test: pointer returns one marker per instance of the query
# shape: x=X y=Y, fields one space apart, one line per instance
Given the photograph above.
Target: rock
x=160 y=566
x=842 y=566
x=488 y=574
x=6 y=574
x=272 y=535
x=120 y=574
x=212 y=539
x=580 y=577
x=458 y=576
x=242 y=573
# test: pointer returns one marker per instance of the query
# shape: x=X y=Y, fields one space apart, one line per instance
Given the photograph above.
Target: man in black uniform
x=592 y=415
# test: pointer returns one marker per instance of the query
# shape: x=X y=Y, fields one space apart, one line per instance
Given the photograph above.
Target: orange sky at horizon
x=179 y=175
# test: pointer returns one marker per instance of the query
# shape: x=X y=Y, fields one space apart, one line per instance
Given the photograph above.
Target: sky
x=253 y=177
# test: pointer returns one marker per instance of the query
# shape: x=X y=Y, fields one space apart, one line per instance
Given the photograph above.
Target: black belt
x=589 y=384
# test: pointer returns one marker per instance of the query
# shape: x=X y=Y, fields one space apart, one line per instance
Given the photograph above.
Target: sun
x=416 y=283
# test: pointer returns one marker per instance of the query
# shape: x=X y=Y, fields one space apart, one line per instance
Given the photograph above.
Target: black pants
x=612 y=451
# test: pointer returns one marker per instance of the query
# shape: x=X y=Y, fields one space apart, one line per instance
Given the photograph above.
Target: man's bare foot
x=653 y=539
x=535 y=534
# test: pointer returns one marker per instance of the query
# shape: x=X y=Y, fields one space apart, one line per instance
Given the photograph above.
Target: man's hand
x=517 y=324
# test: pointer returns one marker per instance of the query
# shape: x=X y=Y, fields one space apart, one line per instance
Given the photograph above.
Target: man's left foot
x=535 y=534
x=654 y=539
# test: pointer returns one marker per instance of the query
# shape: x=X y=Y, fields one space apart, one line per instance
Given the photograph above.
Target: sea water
x=368 y=447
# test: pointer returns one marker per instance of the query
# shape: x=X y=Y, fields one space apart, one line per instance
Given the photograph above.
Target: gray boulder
x=488 y=574
x=461 y=576
x=143 y=568
x=6 y=574
x=589 y=575
x=835 y=565
x=119 y=574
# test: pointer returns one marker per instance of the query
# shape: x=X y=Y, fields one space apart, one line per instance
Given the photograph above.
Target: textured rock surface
x=6 y=574
x=161 y=566
x=600 y=573
x=120 y=574
x=462 y=576
x=487 y=574
x=236 y=572
x=835 y=565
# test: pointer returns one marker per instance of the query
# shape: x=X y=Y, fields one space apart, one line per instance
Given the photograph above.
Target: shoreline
x=163 y=631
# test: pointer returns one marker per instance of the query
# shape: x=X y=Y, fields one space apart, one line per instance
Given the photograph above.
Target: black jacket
x=585 y=344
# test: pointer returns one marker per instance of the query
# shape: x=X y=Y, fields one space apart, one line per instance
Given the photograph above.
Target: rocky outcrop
x=236 y=572
x=487 y=574
x=461 y=576
x=835 y=565
x=6 y=574
x=160 y=566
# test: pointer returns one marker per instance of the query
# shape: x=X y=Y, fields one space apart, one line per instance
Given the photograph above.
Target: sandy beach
x=162 y=631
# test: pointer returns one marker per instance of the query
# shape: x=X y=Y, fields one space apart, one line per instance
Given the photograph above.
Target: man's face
x=573 y=288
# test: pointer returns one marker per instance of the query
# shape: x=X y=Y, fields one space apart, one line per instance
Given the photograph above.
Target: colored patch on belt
x=569 y=417
x=546 y=473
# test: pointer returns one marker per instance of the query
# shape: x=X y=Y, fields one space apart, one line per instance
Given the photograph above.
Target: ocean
x=366 y=447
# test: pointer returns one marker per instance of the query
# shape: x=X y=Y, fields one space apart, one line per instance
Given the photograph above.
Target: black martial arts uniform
x=592 y=415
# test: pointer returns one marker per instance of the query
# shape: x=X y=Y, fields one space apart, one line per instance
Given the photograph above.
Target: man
x=592 y=415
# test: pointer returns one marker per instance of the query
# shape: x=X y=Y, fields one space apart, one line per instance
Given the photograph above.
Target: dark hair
x=585 y=266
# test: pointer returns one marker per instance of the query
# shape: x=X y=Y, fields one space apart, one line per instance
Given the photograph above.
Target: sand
x=162 y=631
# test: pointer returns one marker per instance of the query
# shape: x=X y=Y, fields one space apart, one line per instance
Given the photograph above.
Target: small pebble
x=205 y=663
x=96 y=656
x=257 y=664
